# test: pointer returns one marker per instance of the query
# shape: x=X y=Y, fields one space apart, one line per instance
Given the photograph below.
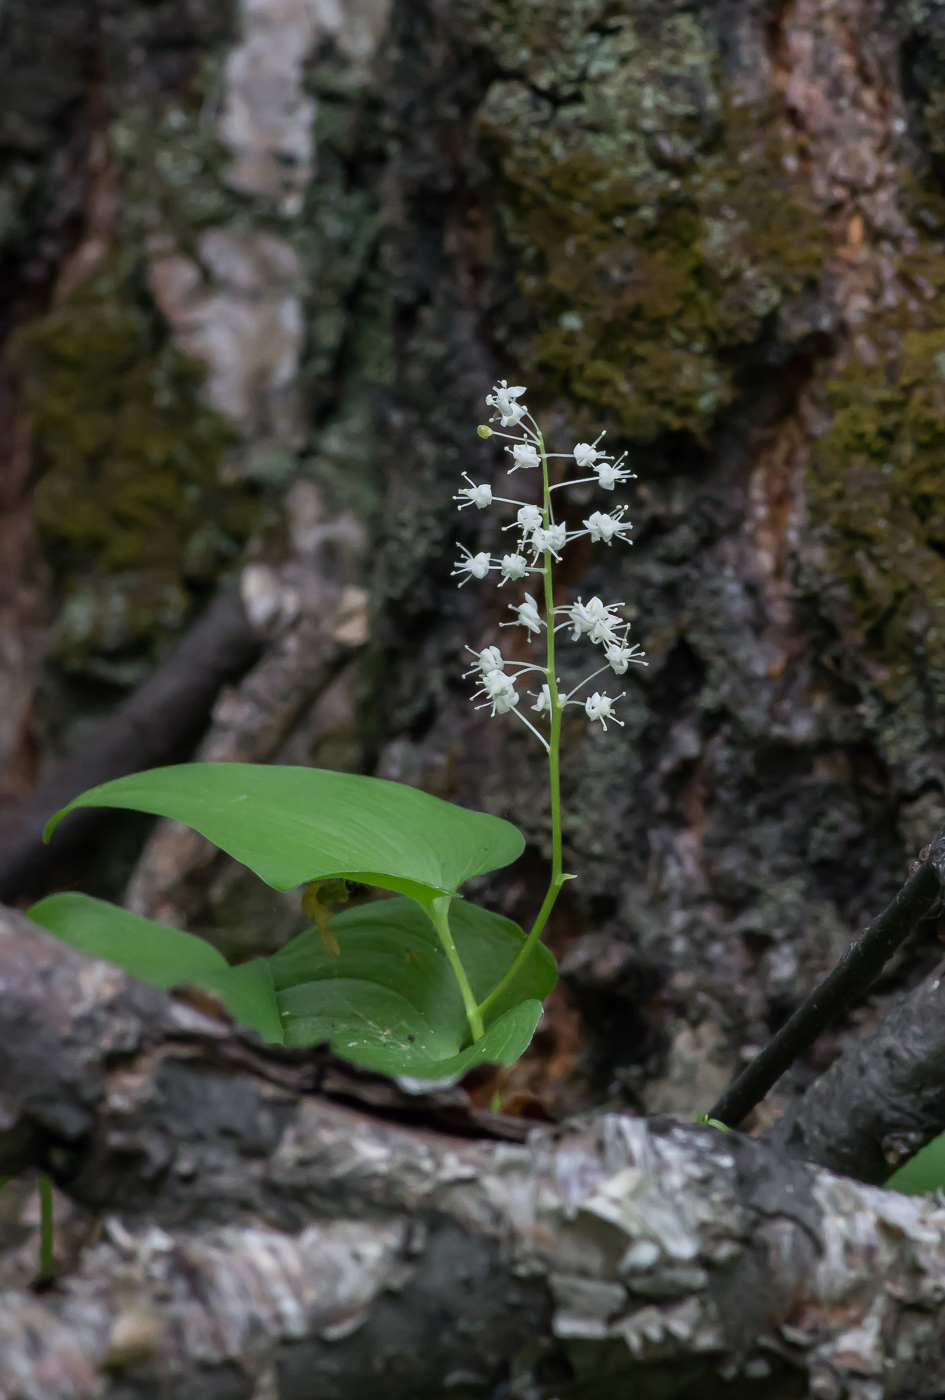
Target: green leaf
x=390 y=1000
x=248 y=994
x=165 y=957
x=291 y=825
x=923 y=1173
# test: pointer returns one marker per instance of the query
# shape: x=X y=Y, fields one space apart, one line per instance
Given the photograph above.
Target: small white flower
x=527 y=614
x=490 y=659
x=619 y=656
x=601 y=707
x=525 y=455
x=543 y=701
x=585 y=455
x=473 y=566
x=597 y=619
x=557 y=536
x=529 y=518
x=502 y=399
x=501 y=692
x=473 y=495
x=605 y=528
x=552 y=539
x=609 y=473
x=513 y=566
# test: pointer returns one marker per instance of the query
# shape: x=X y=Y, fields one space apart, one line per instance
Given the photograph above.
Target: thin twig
x=856 y=971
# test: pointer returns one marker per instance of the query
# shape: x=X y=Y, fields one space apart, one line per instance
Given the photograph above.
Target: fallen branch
x=854 y=974
x=261 y=1235
x=883 y=1099
x=162 y=720
x=252 y=721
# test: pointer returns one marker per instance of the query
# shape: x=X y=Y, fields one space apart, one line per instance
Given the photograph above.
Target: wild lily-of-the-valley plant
x=423 y=984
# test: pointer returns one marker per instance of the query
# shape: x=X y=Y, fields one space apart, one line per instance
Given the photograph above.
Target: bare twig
x=851 y=978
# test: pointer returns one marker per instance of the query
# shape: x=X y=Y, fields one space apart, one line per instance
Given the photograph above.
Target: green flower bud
x=484 y=430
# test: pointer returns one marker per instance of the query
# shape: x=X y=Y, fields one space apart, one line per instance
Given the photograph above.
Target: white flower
x=525 y=455
x=527 y=614
x=619 y=656
x=490 y=659
x=597 y=619
x=501 y=692
x=473 y=495
x=601 y=707
x=604 y=528
x=552 y=539
x=513 y=566
x=473 y=566
x=529 y=518
x=609 y=473
x=585 y=455
x=543 y=702
x=502 y=399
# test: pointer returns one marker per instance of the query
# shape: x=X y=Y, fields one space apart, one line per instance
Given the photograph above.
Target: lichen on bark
x=128 y=460
x=653 y=216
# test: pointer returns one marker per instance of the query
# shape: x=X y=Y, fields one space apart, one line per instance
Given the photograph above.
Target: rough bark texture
x=254 y=1233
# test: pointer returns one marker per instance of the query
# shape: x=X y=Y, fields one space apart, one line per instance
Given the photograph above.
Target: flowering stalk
x=542 y=537
x=555 y=710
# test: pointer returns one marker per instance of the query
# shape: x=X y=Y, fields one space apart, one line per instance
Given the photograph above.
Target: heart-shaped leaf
x=390 y=1000
x=291 y=825
x=165 y=957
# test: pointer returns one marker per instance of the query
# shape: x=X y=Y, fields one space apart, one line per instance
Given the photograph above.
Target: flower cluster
x=541 y=538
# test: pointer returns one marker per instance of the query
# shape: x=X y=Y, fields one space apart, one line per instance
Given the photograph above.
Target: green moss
x=171 y=159
x=128 y=454
x=654 y=221
x=877 y=494
x=876 y=486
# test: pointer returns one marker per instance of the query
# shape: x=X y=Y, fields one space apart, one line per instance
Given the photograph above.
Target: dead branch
x=311 y=624
x=854 y=974
x=160 y=721
x=252 y=721
x=260 y=1234
x=883 y=1099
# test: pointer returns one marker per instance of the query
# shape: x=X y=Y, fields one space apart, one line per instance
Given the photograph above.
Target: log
x=277 y=1223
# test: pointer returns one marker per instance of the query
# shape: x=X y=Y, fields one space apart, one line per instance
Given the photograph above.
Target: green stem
x=440 y=917
x=46 y=1262
x=554 y=738
x=554 y=762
